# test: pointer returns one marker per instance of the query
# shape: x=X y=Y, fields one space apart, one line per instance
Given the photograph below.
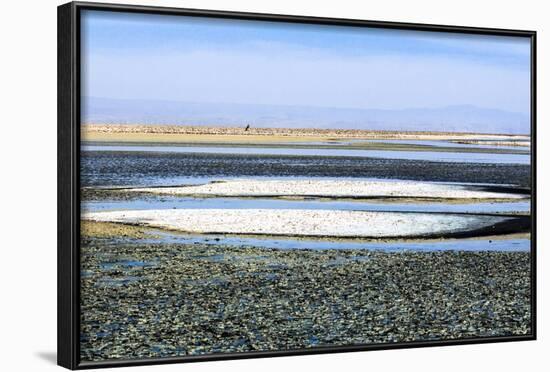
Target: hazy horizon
x=202 y=65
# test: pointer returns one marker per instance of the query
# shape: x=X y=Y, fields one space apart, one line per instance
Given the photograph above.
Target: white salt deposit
x=314 y=223
x=330 y=188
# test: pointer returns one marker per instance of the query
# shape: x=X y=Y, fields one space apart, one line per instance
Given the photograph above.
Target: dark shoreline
x=136 y=168
x=124 y=193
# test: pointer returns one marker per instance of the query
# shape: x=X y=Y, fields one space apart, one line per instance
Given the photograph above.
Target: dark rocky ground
x=143 y=299
x=135 y=168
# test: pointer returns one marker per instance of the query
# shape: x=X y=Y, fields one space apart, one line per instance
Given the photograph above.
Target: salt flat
x=331 y=189
x=313 y=223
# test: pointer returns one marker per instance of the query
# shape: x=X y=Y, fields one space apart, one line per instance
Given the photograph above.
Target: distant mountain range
x=462 y=118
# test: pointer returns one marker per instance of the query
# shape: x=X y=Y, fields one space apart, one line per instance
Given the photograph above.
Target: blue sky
x=153 y=57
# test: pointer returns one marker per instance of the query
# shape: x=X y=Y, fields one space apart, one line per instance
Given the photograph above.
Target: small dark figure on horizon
x=247 y=128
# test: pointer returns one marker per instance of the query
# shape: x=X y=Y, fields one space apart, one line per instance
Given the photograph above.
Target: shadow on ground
x=48 y=356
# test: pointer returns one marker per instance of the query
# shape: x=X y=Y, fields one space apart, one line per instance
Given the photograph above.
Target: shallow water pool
x=436 y=156
x=469 y=245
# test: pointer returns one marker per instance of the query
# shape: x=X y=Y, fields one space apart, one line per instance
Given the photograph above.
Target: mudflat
x=144 y=299
x=166 y=272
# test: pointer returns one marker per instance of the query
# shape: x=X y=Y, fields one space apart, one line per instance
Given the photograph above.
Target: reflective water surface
x=436 y=156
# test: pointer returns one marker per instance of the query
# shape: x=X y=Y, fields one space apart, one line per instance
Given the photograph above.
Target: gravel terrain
x=143 y=300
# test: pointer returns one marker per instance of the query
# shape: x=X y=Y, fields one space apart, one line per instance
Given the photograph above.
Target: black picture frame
x=69 y=181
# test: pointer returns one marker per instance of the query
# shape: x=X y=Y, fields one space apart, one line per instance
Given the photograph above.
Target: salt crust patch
x=315 y=223
x=330 y=188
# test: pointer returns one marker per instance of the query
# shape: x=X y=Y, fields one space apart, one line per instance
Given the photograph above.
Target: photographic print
x=252 y=185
